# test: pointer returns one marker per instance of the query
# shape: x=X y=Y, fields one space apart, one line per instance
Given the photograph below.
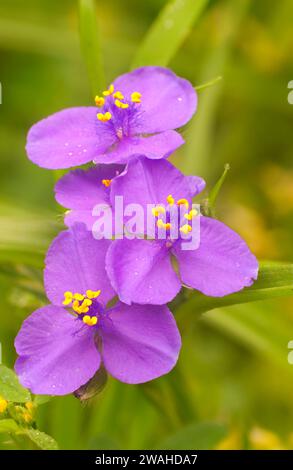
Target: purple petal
x=140 y=343
x=82 y=190
x=197 y=184
x=222 y=264
x=150 y=182
x=57 y=352
x=167 y=102
x=154 y=147
x=68 y=138
x=141 y=271
x=76 y=262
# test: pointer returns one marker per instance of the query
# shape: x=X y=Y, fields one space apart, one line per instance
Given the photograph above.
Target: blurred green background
x=232 y=387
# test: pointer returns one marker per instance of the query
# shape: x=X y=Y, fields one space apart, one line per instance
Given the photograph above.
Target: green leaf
x=8 y=425
x=41 y=439
x=10 y=388
x=90 y=45
x=168 y=32
x=199 y=436
x=41 y=399
x=274 y=280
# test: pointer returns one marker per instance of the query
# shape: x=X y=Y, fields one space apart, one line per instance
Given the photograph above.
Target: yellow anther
x=106 y=183
x=185 y=229
x=86 y=303
x=136 y=97
x=27 y=417
x=29 y=405
x=104 y=117
x=93 y=294
x=161 y=224
x=121 y=105
x=170 y=200
x=3 y=405
x=100 y=101
x=68 y=296
x=118 y=95
x=193 y=213
x=110 y=90
x=78 y=296
x=182 y=202
x=76 y=307
x=156 y=211
x=90 y=321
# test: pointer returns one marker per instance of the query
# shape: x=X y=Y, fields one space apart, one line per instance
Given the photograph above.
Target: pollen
x=104 y=117
x=68 y=297
x=136 y=97
x=156 y=211
x=186 y=229
x=161 y=224
x=110 y=90
x=78 y=296
x=106 y=183
x=170 y=200
x=100 y=101
x=121 y=105
x=3 y=405
x=93 y=294
x=118 y=95
x=90 y=321
x=182 y=202
x=193 y=213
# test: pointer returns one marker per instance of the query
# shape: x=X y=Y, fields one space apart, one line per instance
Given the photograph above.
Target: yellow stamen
x=158 y=210
x=182 y=202
x=92 y=294
x=27 y=417
x=90 y=321
x=118 y=95
x=110 y=91
x=191 y=214
x=104 y=117
x=106 y=183
x=121 y=105
x=100 y=101
x=3 y=405
x=186 y=229
x=87 y=303
x=78 y=296
x=29 y=405
x=161 y=224
x=68 y=296
x=75 y=306
x=136 y=97
x=170 y=200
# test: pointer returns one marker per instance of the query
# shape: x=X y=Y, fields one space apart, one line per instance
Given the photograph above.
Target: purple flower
x=141 y=270
x=62 y=345
x=136 y=115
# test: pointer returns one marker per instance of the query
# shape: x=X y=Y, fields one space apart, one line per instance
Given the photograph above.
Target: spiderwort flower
x=141 y=270
x=135 y=115
x=62 y=345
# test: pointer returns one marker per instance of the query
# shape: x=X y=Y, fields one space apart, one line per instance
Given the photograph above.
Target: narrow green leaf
x=41 y=439
x=200 y=436
x=90 y=45
x=168 y=32
x=10 y=388
x=216 y=189
x=8 y=425
x=274 y=280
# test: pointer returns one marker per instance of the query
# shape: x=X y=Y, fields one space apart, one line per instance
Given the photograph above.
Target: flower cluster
x=108 y=294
